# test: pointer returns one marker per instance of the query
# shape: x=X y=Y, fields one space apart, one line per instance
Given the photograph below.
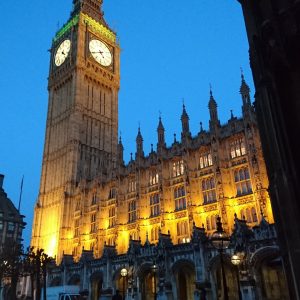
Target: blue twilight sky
x=171 y=49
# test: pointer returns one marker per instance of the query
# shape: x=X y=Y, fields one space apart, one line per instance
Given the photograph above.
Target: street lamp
x=154 y=269
x=236 y=260
x=220 y=241
x=124 y=273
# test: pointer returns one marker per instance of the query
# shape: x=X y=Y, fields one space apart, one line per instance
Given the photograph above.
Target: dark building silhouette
x=273 y=28
x=11 y=221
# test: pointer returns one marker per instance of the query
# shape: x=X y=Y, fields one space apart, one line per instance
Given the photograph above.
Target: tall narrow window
x=153 y=177
x=205 y=160
x=94 y=199
x=179 y=197
x=242 y=181
x=211 y=222
x=93 y=223
x=154 y=204
x=111 y=217
x=178 y=168
x=249 y=214
x=182 y=232
x=112 y=193
x=209 y=190
x=131 y=185
x=237 y=148
x=76 y=228
x=154 y=234
x=131 y=211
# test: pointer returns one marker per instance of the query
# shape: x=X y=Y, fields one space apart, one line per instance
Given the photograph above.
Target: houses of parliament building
x=97 y=215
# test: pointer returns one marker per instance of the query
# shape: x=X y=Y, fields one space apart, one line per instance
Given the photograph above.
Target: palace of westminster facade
x=97 y=215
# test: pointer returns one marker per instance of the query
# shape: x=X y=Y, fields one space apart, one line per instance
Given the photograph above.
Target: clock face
x=62 y=52
x=100 y=52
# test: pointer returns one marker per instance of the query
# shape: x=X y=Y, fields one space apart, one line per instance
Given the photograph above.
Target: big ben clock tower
x=82 y=120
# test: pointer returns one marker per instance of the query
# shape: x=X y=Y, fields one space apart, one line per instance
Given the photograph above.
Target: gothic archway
x=269 y=274
x=96 y=282
x=184 y=272
x=148 y=281
x=121 y=283
x=217 y=278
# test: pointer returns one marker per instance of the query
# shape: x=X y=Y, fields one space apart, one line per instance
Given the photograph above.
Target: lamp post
x=154 y=269
x=124 y=273
x=236 y=260
x=220 y=241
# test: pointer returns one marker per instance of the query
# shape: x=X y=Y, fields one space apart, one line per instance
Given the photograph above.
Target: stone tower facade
x=82 y=121
x=90 y=198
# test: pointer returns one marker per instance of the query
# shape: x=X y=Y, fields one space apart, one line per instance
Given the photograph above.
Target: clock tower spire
x=91 y=7
x=82 y=122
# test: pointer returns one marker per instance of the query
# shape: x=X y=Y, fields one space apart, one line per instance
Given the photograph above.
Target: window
x=179 y=196
x=153 y=177
x=112 y=193
x=242 y=181
x=154 y=204
x=154 y=234
x=209 y=190
x=76 y=228
x=111 y=241
x=77 y=205
x=94 y=199
x=131 y=186
x=11 y=226
x=205 y=160
x=112 y=217
x=132 y=211
x=249 y=214
x=1 y=214
x=182 y=232
x=93 y=223
x=1 y=225
x=211 y=222
x=178 y=168
x=237 y=148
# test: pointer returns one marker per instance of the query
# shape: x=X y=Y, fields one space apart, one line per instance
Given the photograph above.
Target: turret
x=120 y=152
x=139 y=144
x=213 y=111
x=161 y=143
x=185 y=133
x=245 y=93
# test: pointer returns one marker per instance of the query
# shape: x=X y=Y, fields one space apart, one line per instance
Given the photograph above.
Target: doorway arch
x=96 y=282
x=184 y=272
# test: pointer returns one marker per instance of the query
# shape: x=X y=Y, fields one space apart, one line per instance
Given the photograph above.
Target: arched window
x=179 y=197
x=213 y=222
x=253 y=214
x=131 y=211
x=237 y=148
x=154 y=234
x=205 y=160
x=112 y=217
x=209 y=190
x=154 y=205
x=242 y=181
x=177 y=168
x=208 y=227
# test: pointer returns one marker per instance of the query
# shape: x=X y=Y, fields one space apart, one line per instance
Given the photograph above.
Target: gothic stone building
x=96 y=214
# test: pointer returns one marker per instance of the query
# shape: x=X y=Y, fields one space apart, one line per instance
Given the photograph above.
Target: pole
x=225 y=289
x=238 y=283
x=154 y=286
x=123 y=287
